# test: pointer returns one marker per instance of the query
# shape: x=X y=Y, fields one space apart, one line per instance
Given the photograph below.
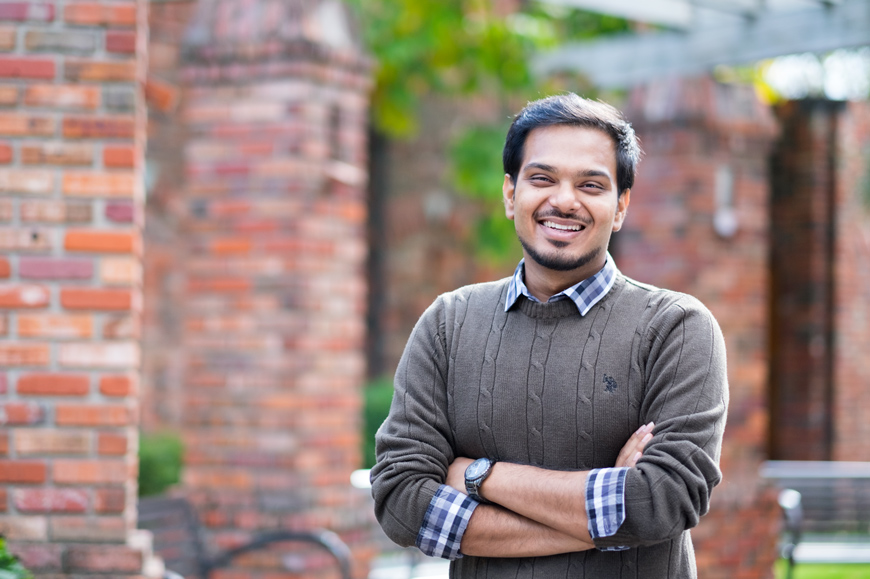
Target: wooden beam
x=627 y=60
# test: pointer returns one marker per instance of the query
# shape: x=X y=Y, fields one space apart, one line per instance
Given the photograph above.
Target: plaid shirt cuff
x=605 y=502
x=445 y=522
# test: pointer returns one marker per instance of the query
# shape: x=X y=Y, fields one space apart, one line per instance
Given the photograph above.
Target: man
x=566 y=421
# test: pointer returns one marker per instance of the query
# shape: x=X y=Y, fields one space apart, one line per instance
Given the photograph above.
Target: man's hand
x=633 y=449
x=456 y=473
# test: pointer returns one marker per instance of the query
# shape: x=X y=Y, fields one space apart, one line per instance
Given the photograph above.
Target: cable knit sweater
x=542 y=385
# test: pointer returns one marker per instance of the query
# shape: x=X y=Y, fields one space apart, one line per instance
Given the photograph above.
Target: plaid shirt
x=450 y=510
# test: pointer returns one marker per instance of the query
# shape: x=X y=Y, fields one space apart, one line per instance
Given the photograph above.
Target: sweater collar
x=584 y=294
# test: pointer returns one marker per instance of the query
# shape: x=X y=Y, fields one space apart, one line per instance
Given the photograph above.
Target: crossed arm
x=537 y=512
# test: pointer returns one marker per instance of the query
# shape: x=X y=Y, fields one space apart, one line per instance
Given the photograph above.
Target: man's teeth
x=562 y=227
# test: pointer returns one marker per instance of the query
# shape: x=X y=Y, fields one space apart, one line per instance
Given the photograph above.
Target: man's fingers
x=633 y=449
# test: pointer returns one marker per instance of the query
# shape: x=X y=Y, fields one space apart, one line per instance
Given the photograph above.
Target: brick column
x=72 y=130
x=698 y=222
x=852 y=285
x=271 y=271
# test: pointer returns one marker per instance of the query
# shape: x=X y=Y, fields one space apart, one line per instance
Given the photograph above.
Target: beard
x=556 y=261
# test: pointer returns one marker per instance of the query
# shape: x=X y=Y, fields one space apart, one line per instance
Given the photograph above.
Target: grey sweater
x=544 y=386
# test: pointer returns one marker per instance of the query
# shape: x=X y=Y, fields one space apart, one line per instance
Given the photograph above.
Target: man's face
x=565 y=203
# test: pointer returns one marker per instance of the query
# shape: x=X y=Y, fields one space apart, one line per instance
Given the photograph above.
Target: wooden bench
x=826 y=506
x=178 y=541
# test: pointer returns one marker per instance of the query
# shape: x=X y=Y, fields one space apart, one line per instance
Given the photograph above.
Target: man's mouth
x=560 y=227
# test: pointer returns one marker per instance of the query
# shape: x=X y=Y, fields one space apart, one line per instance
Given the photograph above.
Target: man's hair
x=571 y=109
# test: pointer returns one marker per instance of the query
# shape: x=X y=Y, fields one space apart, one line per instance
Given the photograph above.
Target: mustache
x=550 y=213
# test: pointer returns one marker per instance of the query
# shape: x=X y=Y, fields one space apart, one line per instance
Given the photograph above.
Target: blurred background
x=220 y=220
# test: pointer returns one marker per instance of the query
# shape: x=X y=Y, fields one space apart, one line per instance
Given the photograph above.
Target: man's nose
x=564 y=198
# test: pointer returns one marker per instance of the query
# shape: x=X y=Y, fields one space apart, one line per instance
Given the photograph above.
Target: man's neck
x=544 y=283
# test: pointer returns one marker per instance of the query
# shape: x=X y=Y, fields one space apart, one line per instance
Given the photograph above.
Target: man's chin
x=560 y=261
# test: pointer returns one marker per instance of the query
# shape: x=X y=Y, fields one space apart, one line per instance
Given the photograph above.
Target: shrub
x=160 y=456
x=10 y=568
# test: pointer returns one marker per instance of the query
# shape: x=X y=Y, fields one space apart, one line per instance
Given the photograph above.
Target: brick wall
x=71 y=136
x=698 y=223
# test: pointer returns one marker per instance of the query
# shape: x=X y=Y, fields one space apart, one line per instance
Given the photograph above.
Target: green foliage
x=823 y=571
x=461 y=47
x=10 y=568
x=377 y=396
x=160 y=461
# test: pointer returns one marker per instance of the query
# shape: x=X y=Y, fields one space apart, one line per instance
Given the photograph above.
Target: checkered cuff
x=605 y=502
x=445 y=522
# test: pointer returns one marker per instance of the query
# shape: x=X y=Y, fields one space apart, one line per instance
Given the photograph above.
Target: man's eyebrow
x=541 y=166
x=583 y=173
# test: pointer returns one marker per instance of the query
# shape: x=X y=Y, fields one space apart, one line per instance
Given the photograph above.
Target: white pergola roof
x=700 y=34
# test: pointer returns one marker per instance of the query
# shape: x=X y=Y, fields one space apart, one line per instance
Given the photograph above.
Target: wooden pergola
x=690 y=37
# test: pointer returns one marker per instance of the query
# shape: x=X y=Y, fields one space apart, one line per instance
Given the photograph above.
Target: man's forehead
x=560 y=139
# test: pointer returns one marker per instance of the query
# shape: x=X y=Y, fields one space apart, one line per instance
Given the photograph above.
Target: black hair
x=572 y=109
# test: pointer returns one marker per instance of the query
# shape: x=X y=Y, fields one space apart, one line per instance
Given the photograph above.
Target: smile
x=552 y=225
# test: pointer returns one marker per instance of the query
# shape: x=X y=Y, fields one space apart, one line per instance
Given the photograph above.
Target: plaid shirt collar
x=585 y=294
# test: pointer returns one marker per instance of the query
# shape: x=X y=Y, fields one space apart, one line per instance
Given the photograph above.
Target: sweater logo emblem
x=610 y=384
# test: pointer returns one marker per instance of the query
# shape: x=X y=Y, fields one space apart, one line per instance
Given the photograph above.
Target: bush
x=160 y=456
x=377 y=396
x=10 y=568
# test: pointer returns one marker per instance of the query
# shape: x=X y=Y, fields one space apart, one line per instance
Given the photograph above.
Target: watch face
x=477 y=468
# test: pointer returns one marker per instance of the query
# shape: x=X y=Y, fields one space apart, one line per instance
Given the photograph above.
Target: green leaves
x=10 y=568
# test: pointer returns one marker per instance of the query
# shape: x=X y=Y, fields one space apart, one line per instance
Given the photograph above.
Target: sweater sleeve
x=414 y=445
x=686 y=395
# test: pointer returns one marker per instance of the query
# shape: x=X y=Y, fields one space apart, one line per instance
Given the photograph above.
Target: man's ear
x=508 y=190
x=621 y=209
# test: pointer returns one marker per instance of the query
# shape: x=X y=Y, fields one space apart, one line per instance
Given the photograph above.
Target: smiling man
x=566 y=421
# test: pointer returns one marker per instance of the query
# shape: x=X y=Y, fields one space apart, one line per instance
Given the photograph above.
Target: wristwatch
x=475 y=474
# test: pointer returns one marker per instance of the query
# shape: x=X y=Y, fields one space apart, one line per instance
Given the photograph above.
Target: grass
x=816 y=571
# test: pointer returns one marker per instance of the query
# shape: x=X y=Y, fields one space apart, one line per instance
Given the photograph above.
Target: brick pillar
x=272 y=270
x=72 y=130
x=851 y=313
x=698 y=223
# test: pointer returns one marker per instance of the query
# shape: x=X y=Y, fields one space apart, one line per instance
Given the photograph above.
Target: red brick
x=55 y=212
x=39 y=557
x=24 y=528
x=24 y=296
x=100 y=70
x=23 y=67
x=5 y=153
x=24 y=125
x=98 y=415
x=67 y=471
x=86 y=529
x=94 y=127
x=4 y=443
x=5 y=268
x=116 y=559
x=28 y=181
x=117 y=386
x=52 y=441
x=121 y=327
x=57 y=326
x=4 y=324
x=8 y=38
x=101 y=241
x=118 y=157
x=161 y=95
x=62 y=96
x=8 y=96
x=120 y=271
x=22 y=471
x=68 y=154
x=21 y=11
x=110 y=355
x=100 y=14
x=112 y=444
x=111 y=500
x=3 y=502
x=121 y=41
x=24 y=354
x=55 y=268
x=23 y=413
x=99 y=184
x=4 y=384
x=50 y=500
x=96 y=299
x=6 y=210
x=54 y=384
x=25 y=239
